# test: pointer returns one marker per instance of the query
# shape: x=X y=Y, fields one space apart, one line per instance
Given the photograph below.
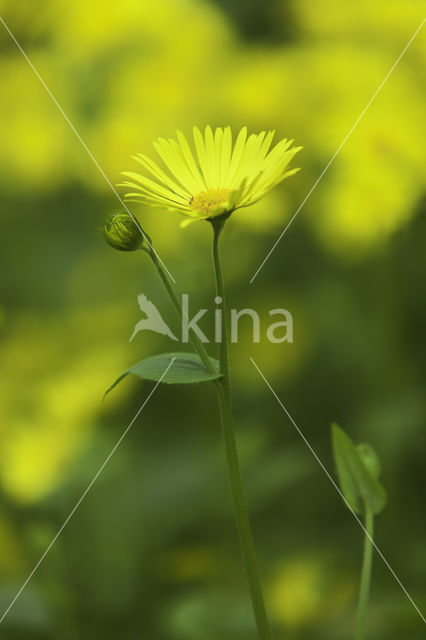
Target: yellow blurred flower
x=50 y=399
x=304 y=592
x=225 y=178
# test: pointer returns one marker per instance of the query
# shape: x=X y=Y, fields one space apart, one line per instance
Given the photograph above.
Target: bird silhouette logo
x=153 y=320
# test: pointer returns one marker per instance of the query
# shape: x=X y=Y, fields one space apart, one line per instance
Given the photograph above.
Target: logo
x=153 y=320
x=276 y=332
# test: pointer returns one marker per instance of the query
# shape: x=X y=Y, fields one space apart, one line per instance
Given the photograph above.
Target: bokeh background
x=152 y=552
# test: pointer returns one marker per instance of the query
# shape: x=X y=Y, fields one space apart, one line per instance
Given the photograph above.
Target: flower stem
x=364 y=589
x=195 y=340
x=227 y=421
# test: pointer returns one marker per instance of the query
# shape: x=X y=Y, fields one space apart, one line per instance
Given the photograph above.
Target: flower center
x=210 y=200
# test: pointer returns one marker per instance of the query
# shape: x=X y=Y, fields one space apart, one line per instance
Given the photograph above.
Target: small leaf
x=357 y=471
x=187 y=368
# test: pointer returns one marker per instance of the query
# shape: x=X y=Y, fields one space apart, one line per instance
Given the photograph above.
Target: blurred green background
x=152 y=551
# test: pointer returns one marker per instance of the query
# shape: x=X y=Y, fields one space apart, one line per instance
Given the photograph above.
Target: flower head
x=215 y=181
x=121 y=232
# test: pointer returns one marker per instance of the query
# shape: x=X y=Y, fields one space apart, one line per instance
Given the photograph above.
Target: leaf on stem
x=358 y=470
x=187 y=368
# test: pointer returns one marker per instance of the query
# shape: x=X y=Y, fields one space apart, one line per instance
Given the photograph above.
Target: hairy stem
x=227 y=421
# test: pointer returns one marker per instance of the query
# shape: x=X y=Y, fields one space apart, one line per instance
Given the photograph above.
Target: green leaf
x=187 y=368
x=357 y=470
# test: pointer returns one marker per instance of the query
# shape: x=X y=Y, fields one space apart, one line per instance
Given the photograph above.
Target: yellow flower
x=218 y=180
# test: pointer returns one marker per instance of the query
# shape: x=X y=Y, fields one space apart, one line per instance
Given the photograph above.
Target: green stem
x=364 y=589
x=227 y=421
x=195 y=340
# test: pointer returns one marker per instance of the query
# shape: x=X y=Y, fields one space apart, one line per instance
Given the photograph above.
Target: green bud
x=122 y=233
x=370 y=459
x=357 y=470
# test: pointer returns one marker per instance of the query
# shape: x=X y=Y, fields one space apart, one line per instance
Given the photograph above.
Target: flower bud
x=121 y=232
x=370 y=459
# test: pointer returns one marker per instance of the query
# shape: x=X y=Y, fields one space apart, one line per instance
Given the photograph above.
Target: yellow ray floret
x=215 y=180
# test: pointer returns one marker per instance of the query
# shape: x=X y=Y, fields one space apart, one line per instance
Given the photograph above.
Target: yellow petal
x=190 y=161
x=225 y=155
x=202 y=159
x=151 y=166
x=236 y=156
x=210 y=156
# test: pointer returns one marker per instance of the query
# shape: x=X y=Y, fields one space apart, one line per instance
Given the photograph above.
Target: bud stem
x=195 y=340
